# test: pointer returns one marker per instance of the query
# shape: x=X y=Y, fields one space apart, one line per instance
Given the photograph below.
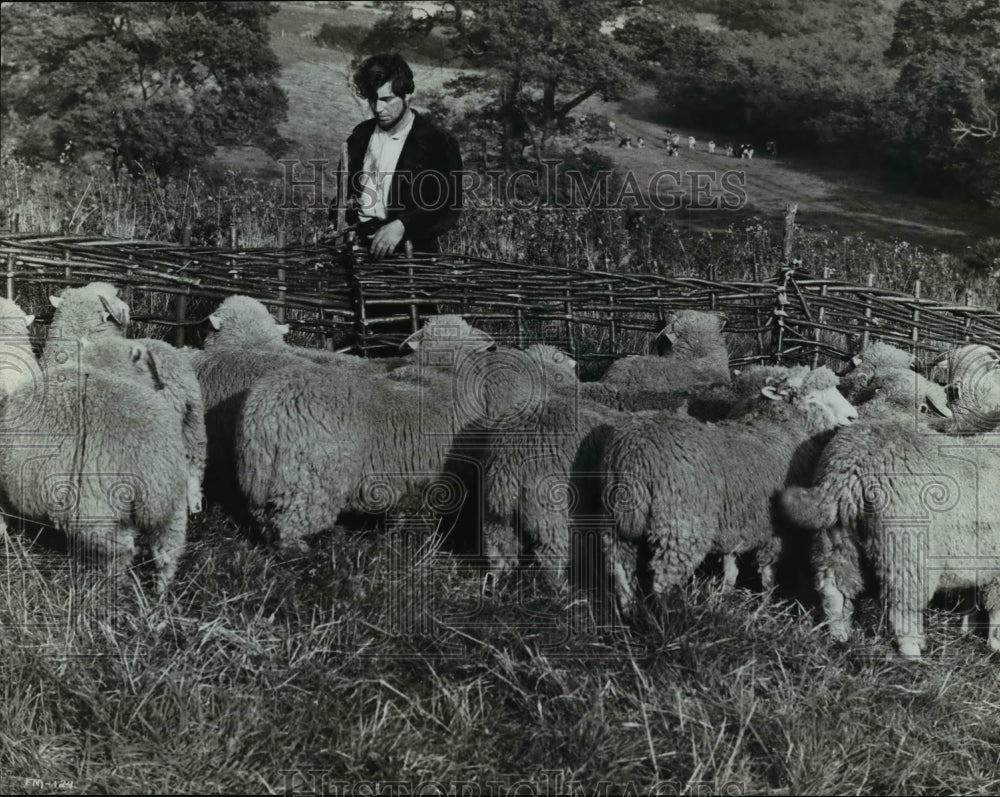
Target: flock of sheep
x=892 y=476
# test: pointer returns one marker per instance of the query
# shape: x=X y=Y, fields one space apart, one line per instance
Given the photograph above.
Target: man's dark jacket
x=428 y=206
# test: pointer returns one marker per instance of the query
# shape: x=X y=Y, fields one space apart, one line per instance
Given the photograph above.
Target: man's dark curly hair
x=377 y=69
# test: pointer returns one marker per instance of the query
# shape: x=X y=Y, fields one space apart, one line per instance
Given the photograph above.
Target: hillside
x=323 y=109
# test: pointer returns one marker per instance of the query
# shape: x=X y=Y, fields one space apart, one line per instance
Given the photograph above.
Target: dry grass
x=381 y=659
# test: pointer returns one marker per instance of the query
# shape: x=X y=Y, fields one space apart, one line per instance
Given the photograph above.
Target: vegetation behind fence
x=339 y=297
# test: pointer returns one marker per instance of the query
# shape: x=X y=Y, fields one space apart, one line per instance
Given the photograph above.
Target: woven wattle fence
x=339 y=297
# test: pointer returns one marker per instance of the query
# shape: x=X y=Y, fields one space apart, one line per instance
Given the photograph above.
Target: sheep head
x=242 y=321
x=971 y=377
x=899 y=388
x=86 y=313
x=691 y=333
x=91 y=296
x=814 y=390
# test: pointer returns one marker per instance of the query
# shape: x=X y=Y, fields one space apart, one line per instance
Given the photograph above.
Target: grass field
x=382 y=659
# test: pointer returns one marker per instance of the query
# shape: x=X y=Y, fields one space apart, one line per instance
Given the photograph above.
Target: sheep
x=83 y=313
x=94 y=313
x=18 y=366
x=693 y=349
x=17 y=362
x=667 y=488
x=243 y=342
x=883 y=377
x=172 y=372
x=98 y=454
x=310 y=445
x=920 y=507
x=972 y=376
x=709 y=401
x=534 y=478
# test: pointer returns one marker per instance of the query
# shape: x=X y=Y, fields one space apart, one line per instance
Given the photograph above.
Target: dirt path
x=846 y=200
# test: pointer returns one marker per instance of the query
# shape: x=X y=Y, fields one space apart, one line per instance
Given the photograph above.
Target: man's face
x=387 y=107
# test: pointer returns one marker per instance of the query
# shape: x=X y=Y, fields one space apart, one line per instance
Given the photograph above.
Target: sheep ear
x=856 y=360
x=667 y=337
x=413 y=341
x=935 y=404
x=215 y=322
x=55 y=301
x=141 y=353
x=483 y=338
x=29 y=320
x=120 y=317
x=773 y=393
x=283 y=328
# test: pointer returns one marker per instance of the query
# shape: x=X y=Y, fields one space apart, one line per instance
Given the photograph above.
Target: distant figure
x=641 y=142
x=671 y=149
x=690 y=142
x=612 y=127
x=675 y=139
x=771 y=149
x=729 y=150
x=711 y=147
x=626 y=142
x=746 y=151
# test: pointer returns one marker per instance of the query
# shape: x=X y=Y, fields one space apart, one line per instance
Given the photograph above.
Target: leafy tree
x=537 y=60
x=157 y=84
x=949 y=72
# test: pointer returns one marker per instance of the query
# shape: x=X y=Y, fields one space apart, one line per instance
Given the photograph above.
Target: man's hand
x=387 y=238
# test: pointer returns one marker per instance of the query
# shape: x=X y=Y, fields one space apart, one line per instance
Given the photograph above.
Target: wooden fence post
x=915 y=328
x=186 y=234
x=820 y=317
x=569 y=322
x=866 y=335
x=790 y=210
x=342 y=188
x=180 y=316
x=408 y=248
x=613 y=329
x=11 y=260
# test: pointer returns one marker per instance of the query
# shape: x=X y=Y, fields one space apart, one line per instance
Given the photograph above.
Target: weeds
x=214 y=206
x=256 y=672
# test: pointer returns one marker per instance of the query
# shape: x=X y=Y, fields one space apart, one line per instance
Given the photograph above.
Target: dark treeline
x=889 y=84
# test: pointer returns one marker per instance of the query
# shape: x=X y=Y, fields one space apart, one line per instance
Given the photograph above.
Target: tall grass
x=382 y=659
x=91 y=201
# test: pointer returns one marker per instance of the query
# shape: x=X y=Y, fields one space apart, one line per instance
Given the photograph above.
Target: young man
x=404 y=173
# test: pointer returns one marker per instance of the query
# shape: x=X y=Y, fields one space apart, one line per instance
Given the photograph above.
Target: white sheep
x=883 y=377
x=535 y=479
x=921 y=508
x=243 y=342
x=83 y=314
x=685 y=489
x=94 y=314
x=972 y=376
x=311 y=444
x=98 y=453
x=17 y=362
x=693 y=351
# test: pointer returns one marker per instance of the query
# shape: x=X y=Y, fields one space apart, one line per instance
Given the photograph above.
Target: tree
x=536 y=59
x=949 y=76
x=151 y=84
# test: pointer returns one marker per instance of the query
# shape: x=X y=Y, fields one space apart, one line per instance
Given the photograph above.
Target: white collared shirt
x=379 y=165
